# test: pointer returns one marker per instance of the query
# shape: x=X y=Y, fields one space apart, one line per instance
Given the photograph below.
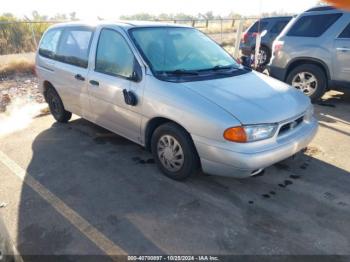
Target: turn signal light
x=236 y=134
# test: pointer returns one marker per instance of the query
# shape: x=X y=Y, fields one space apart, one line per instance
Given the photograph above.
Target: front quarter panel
x=174 y=101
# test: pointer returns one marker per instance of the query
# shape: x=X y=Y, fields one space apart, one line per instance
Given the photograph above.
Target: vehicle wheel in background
x=309 y=79
x=174 y=151
x=264 y=56
x=56 y=106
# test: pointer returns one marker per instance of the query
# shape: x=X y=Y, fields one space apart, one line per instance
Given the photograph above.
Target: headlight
x=309 y=113
x=250 y=133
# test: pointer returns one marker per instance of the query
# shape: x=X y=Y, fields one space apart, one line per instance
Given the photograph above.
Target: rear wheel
x=174 y=152
x=264 y=56
x=56 y=106
x=309 y=79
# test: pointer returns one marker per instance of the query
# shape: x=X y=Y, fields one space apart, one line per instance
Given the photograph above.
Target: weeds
x=17 y=66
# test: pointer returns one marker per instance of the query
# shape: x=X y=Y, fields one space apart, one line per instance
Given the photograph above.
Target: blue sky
x=112 y=9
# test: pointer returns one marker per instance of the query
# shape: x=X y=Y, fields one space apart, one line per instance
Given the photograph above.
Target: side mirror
x=129 y=98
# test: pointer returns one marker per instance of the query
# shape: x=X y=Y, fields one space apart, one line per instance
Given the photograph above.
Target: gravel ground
x=24 y=87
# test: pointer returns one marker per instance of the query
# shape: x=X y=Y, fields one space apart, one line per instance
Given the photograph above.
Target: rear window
x=49 y=43
x=313 y=25
x=74 y=46
x=278 y=26
x=263 y=25
x=345 y=33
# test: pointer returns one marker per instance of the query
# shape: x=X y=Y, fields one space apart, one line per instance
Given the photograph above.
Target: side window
x=278 y=26
x=49 y=43
x=313 y=25
x=74 y=46
x=113 y=55
x=345 y=33
x=263 y=25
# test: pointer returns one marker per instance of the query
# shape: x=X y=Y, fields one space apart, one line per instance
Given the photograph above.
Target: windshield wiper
x=180 y=72
x=223 y=67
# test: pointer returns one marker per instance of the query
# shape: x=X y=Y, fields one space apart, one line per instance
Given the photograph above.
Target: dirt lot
x=78 y=189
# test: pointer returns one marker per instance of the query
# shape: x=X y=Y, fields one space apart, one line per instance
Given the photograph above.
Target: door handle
x=343 y=49
x=79 y=77
x=94 y=82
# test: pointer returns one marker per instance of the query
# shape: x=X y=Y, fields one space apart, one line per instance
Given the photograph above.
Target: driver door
x=114 y=71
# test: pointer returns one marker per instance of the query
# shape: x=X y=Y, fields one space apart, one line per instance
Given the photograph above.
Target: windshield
x=180 y=50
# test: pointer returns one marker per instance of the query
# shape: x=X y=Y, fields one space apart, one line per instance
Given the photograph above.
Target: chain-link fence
x=23 y=37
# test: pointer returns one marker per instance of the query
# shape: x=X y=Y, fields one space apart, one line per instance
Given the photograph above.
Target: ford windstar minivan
x=176 y=92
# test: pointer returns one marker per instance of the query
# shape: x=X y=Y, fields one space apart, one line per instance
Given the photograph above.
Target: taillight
x=277 y=46
x=245 y=38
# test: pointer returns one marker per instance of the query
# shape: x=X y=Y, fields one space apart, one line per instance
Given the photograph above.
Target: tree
x=209 y=15
x=139 y=16
x=73 y=16
x=234 y=15
x=59 y=17
x=37 y=17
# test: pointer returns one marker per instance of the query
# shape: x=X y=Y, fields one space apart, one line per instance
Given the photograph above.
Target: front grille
x=290 y=125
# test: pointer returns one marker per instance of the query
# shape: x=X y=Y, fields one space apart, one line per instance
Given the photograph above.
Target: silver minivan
x=176 y=92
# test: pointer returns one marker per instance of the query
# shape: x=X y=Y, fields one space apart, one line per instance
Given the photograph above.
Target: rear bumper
x=219 y=161
x=277 y=72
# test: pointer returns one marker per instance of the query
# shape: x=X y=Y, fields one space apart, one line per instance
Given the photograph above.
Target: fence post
x=33 y=35
x=221 y=28
x=238 y=38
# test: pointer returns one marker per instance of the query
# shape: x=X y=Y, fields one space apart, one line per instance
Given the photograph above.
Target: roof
x=123 y=24
x=277 y=17
x=326 y=9
x=321 y=8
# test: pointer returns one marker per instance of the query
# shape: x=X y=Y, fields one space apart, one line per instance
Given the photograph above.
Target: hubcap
x=305 y=82
x=170 y=153
x=262 y=57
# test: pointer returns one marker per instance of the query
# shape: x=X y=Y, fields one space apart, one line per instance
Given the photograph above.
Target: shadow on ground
x=299 y=206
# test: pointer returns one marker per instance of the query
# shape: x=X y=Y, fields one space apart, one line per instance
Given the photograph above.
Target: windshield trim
x=182 y=78
x=202 y=77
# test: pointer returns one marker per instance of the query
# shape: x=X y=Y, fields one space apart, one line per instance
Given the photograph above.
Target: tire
x=190 y=160
x=309 y=69
x=268 y=55
x=56 y=106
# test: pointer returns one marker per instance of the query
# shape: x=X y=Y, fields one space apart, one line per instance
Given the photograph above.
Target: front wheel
x=309 y=79
x=174 y=152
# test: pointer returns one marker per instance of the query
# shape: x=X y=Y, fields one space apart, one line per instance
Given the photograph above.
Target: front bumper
x=219 y=161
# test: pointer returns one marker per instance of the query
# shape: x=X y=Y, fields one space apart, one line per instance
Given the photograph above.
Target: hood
x=253 y=98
